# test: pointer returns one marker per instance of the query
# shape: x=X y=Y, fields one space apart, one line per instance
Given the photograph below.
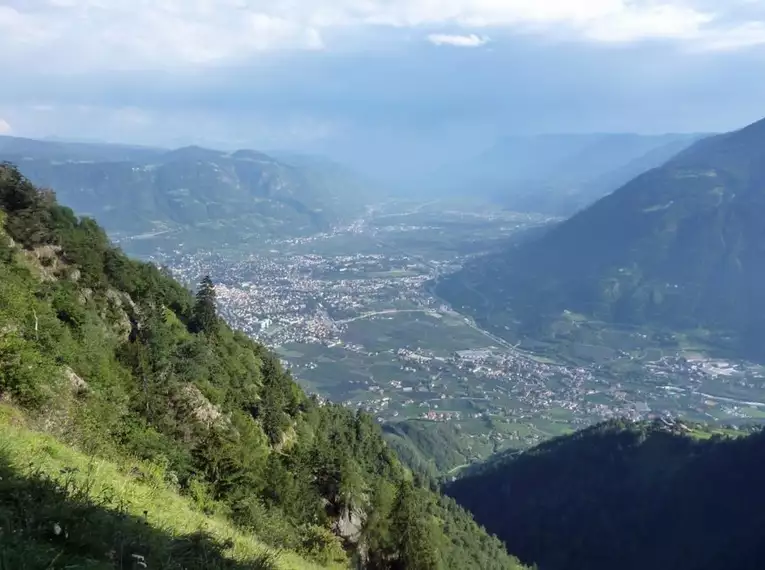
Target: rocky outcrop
x=349 y=524
x=77 y=384
x=47 y=254
x=192 y=403
x=46 y=261
x=123 y=311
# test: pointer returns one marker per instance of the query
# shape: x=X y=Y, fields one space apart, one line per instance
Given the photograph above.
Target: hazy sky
x=416 y=80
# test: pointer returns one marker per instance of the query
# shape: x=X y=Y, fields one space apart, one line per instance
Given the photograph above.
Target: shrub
x=320 y=544
x=26 y=374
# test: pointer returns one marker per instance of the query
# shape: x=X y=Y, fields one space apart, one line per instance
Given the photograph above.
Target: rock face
x=124 y=309
x=191 y=402
x=49 y=263
x=47 y=253
x=46 y=260
x=349 y=525
x=78 y=385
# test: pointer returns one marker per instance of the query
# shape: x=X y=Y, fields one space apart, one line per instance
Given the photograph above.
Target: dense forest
x=114 y=358
x=659 y=495
x=429 y=449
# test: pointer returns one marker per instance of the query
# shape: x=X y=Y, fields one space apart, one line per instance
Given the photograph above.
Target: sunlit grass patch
x=60 y=508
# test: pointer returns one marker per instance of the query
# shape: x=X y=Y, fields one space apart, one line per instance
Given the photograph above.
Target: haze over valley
x=357 y=293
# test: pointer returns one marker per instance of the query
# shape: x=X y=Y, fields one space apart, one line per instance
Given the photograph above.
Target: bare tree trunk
x=146 y=395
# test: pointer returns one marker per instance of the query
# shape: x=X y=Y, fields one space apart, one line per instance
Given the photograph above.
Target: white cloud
x=67 y=34
x=631 y=24
x=145 y=33
x=742 y=36
x=5 y=128
x=471 y=40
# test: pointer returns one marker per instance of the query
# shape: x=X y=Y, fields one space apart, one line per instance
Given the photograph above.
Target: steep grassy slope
x=629 y=497
x=681 y=246
x=116 y=359
x=61 y=508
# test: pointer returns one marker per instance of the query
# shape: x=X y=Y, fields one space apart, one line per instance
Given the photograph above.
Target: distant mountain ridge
x=38 y=149
x=681 y=246
x=559 y=174
x=134 y=190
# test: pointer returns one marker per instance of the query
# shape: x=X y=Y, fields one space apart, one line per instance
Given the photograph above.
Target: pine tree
x=205 y=316
x=414 y=541
x=154 y=357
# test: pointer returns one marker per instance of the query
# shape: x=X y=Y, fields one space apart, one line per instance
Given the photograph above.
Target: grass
x=708 y=432
x=60 y=508
x=754 y=412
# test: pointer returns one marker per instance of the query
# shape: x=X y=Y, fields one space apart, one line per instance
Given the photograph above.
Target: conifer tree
x=205 y=316
x=413 y=536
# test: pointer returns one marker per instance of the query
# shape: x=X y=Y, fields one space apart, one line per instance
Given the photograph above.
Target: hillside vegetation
x=61 y=508
x=627 y=496
x=681 y=247
x=429 y=449
x=118 y=363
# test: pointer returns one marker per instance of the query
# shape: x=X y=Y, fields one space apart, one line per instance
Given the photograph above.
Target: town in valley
x=353 y=315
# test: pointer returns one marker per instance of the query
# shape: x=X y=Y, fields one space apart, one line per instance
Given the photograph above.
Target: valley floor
x=353 y=314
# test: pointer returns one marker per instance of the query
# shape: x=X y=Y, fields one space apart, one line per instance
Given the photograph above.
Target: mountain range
x=139 y=430
x=208 y=194
x=557 y=174
x=680 y=247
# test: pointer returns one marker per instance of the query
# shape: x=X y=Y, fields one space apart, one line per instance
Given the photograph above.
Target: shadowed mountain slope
x=681 y=246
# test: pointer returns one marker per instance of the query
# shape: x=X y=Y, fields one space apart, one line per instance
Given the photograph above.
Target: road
x=386 y=312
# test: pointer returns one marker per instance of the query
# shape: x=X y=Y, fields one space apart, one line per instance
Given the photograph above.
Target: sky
x=379 y=83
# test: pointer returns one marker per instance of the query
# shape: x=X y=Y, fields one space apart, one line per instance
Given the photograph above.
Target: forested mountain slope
x=628 y=496
x=220 y=195
x=681 y=247
x=429 y=449
x=119 y=362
